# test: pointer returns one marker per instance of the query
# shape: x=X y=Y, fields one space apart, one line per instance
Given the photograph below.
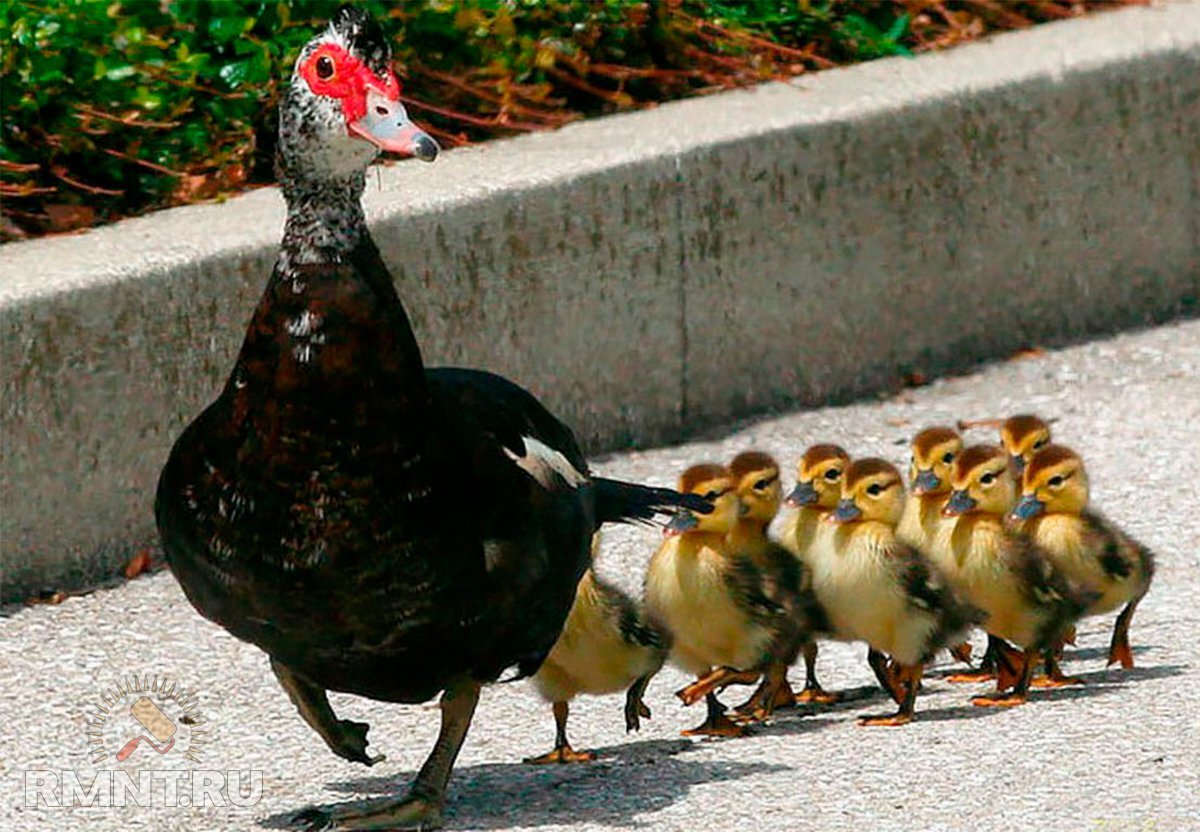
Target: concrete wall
x=655 y=273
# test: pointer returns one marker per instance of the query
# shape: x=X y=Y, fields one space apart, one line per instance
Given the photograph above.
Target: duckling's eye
x=988 y=479
x=1038 y=444
x=1056 y=481
x=948 y=457
x=832 y=474
x=761 y=485
x=874 y=489
x=324 y=68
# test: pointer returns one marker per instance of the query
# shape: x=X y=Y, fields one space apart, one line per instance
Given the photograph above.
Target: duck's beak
x=1028 y=506
x=802 y=495
x=387 y=126
x=845 y=512
x=959 y=503
x=682 y=522
x=925 y=482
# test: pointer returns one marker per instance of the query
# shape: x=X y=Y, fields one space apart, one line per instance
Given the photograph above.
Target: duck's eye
x=988 y=479
x=948 y=457
x=325 y=67
x=761 y=485
x=1056 y=481
x=1039 y=444
x=832 y=474
x=874 y=489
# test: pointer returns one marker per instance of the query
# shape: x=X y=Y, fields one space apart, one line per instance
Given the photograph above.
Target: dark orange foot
x=972 y=677
x=716 y=680
x=1055 y=681
x=962 y=652
x=1121 y=653
x=817 y=695
x=721 y=726
x=999 y=700
x=888 y=719
x=562 y=755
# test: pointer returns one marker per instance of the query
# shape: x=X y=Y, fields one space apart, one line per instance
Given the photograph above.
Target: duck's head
x=819 y=477
x=1023 y=436
x=872 y=490
x=933 y=453
x=715 y=484
x=756 y=476
x=1055 y=482
x=982 y=482
x=343 y=104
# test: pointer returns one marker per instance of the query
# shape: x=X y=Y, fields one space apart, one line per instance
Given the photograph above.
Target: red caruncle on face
x=333 y=72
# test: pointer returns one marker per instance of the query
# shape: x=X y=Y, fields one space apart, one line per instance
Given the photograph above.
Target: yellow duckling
x=1023 y=436
x=882 y=591
x=1053 y=511
x=1026 y=599
x=606 y=646
x=728 y=618
x=818 y=488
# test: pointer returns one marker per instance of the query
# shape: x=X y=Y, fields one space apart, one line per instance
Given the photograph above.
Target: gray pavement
x=1120 y=753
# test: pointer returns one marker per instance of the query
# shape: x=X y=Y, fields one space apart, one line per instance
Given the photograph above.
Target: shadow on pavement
x=625 y=782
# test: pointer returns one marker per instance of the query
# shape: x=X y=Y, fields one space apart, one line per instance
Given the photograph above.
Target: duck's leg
x=344 y=737
x=717 y=679
x=422 y=807
x=987 y=665
x=1054 y=677
x=563 y=752
x=885 y=672
x=909 y=678
x=813 y=692
x=962 y=652
x=1119 y=650
x=716 y=724
x=1020 y=690
x=774 y=692
x=635 y=708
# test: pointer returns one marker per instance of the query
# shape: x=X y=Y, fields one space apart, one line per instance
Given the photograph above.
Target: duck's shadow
x=625 y=782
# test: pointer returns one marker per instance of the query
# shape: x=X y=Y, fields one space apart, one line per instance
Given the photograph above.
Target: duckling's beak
x=1017 y=463
x=959 y=503
x=386 y=125
x=1028 y=506
x=926 y=482
x=682 y=522
x=845 y=512
x=802 y=495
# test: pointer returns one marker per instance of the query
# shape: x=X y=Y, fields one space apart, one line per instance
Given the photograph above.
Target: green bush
x=115 y=107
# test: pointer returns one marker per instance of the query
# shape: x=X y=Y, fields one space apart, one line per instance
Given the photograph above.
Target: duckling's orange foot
x=1121 y=653
x=562 y=755
x=817 y=695
x=888 y=719
x=718 y=726
x=971 y=677
x=1055 y=681
x=999 y=700
x=962 y=652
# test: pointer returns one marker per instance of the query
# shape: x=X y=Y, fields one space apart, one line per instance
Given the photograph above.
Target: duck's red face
x=370 y=102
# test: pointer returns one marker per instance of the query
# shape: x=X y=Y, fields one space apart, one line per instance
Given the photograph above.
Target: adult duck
x=375 y=527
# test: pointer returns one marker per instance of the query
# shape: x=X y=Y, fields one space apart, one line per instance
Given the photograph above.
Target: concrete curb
x=654 y=273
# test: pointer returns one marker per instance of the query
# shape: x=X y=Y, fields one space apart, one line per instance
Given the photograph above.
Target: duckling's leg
x=563 y=752
x=718 y=679
x=1020 y=692
x=813 y=692
x=774 y=692
x=1054 y=677
x=987 y=665
x=1119 y=650
x=635 y=708
x=885 y=672
x=344 y=737
x=716 y=724
x=909 y=678
x=422 y=807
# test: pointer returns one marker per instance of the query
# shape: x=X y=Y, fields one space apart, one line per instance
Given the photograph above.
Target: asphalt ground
x=1120 y=753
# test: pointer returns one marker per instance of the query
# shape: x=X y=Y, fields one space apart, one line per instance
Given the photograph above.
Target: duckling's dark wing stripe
x=625 y=502
x=928 y=590
x=1119 y=554
x=1049 y=589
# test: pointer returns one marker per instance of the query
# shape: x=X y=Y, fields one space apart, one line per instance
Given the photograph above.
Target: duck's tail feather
x=627 y=502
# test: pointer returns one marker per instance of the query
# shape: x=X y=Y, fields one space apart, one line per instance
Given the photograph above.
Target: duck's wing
x=1119 y=554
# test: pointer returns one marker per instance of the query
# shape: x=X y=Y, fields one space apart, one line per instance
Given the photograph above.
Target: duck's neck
x=325 y=220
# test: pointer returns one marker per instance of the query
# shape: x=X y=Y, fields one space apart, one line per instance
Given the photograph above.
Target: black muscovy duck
x=376 y=527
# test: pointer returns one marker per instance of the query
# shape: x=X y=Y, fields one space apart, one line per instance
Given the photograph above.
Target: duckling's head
x=757 y=483
x=982 y=482
x=1055 y=483
x=933 y=453
x=819 y=477
x=872 y=490
x=715 y=484
x=1023 y=436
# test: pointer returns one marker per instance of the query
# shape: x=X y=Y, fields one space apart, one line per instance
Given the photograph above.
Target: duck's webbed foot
x=773 y=693
x=908 y=680
x=962 y=652
x=813 y=692
x=716 y=724
x=563 y=752
x=1119 y=652
x=718 y=679
x=346 y=738
x=1054 y=677
x=1020 y=688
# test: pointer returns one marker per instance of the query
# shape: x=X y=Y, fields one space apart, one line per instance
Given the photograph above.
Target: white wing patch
x=546 y=465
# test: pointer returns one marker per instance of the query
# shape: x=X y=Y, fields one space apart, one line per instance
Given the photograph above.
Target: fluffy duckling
x=1023 y=436
x=1053 y=511
x=720 y=609
x=883 y=591
x=818 y=488
x=1026 y=599
x=606 y=646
